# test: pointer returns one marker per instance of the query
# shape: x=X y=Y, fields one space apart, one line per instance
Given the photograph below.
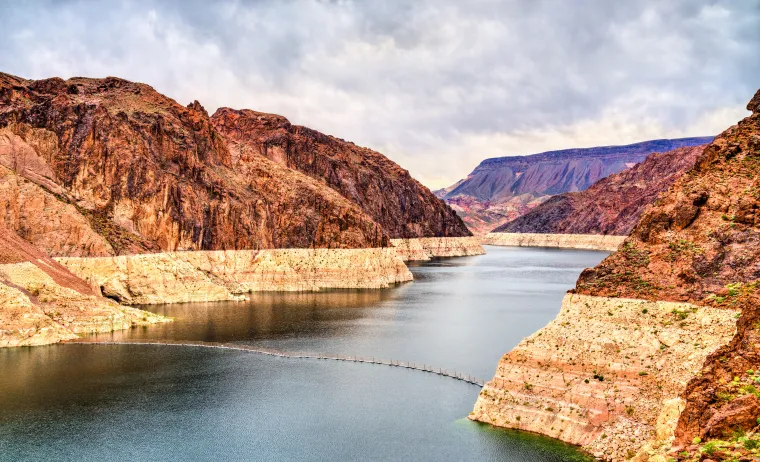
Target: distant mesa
x=501 y=189
x=610 y=206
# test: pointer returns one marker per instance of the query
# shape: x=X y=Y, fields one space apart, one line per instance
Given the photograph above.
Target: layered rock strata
x=695 y=249
x=426 y=248
x=606 y=374
x=563 y=241
x=503 y=188
x=178 y=277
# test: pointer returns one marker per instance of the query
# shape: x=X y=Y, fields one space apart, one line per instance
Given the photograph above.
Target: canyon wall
x=426 y=248
x=563 y=241
x=503 y=188
x=606 y=373
x=664 y=333
x=612 y=205
x=385 y=191
x=177 y=277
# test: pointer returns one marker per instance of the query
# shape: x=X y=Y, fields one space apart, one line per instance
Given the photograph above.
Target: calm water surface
x=122 y=402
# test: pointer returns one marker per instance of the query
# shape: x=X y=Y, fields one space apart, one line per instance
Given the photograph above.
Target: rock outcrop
x=42 y=302
x=148 y=174
x=501 y=189
x=693 y=257
x=386 y=192
x=612 y=205
x=604 y=371
x=109 y=168
x=425 y=248
x=560 y=241
x=700 y=243
x=178 y=277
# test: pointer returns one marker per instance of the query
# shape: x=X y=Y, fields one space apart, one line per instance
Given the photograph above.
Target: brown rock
x=700 y=242
x=612 y=205
x=146 y=174
x=385 y=191
x=739 y=414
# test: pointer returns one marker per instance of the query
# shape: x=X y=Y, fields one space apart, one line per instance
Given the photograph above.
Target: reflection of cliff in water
x=267 y=316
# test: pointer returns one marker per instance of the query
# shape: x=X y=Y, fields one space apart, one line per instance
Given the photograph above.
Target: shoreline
x=217 y=275
x=606 y=374
x=425 y=248
x=607 y=243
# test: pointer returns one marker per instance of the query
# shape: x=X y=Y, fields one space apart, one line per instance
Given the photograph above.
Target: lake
x=134 y=402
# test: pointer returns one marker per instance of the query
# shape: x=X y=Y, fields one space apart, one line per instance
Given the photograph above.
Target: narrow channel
x=154 y=402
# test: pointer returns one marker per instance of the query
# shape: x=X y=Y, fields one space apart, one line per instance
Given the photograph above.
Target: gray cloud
x=437 y=85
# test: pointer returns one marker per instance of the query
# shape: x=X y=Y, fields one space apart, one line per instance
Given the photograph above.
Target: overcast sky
x=436 y=85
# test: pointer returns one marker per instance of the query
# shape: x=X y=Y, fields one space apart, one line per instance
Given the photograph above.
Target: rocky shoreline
x=37 y=310
x=606 y=374
x=196 y=276
x=561 y=241
x=425 y=248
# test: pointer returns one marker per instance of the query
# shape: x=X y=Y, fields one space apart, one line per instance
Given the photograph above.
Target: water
x=122 y=402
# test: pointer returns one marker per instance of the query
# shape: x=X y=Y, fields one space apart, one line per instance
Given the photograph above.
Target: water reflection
x=96 y=402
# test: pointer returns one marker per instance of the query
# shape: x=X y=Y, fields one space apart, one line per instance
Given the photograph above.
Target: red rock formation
x=700 y=243
x=503 y=188
x=612 y=205
x=401 y=205
x=107 y=166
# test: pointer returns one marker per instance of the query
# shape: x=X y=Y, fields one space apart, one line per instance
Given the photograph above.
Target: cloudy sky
x=437 y=85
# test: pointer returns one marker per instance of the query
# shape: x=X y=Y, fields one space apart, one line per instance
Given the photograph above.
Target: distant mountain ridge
x=501 y=189
x=612 y=205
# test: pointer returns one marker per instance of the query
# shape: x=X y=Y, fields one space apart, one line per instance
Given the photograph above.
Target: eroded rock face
x=606 y=374
x=148 y=174
x=612 y=205
x=501 y=189
x=560 y=241
x=179 y=277
x=700 y=242
x=42 y=302
x=386 y=192
x=425 y=248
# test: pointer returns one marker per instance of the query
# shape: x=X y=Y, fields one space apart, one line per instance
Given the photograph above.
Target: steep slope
x=612 y=205
x=107 y=166
x=501 y=189
x=701 y=243
x=656 y=350
x=400 y=204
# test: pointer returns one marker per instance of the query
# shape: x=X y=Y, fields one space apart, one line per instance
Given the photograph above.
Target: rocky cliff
x=386 y=192
x=501 y=189
x=144 y=173
x=612 y=205
x=684 y=283
x=42 y=302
